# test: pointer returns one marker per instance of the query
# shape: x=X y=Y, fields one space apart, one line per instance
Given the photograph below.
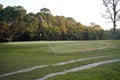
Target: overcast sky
x=84 y=11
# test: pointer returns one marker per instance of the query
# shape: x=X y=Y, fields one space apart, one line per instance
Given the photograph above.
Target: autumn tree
x=15 y=24
x=31 y=24
x=45 y=11
x=1 y=6
x=11 y=22
x=112 y=12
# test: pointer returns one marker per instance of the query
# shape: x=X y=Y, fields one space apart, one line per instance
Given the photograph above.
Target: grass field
x=18 y=56
x=79 y=46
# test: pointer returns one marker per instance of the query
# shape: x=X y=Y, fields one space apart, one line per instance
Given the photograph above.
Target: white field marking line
x=23 y=70
x=89 y=49
x=52 y=48
x=83 y=59
x=92 y=65
x=42 y=66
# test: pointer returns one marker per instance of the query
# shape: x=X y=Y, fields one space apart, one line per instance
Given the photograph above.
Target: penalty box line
x=52 y=48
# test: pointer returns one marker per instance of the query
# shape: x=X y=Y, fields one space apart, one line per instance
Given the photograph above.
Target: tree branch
x=109 y=12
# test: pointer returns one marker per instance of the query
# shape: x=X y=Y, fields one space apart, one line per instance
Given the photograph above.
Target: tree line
x=18 y=25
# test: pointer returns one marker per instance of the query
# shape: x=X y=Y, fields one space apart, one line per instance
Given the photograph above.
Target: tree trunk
x=114 y=19
x=114 y=30
x=10 y=39
x=114 y=33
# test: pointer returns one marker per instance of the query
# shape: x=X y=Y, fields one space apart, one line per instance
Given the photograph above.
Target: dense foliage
x=17 y=25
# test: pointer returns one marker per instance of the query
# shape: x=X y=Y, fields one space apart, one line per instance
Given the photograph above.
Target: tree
x=112 y=12
x=45 y=11
x=96 y=27
x=11 y=22
x=1 y=6
x=15 y=24
x=31 y=25
x=118 y=34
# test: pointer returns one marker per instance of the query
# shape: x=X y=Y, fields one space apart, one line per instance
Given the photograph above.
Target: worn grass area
x=21 y=55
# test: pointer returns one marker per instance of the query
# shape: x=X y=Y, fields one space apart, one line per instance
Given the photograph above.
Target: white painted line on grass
x=56 y=64
x=92 y=65
x=23 y=70
x=83 y=59
x=52 y=48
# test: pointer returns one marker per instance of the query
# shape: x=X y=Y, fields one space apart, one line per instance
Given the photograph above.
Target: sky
x=83 y=11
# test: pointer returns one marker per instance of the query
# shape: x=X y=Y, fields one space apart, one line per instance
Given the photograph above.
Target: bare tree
x=112 y=12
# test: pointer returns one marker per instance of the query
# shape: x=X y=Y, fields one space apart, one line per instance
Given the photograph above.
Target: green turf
x=109 y=71
x=21 y=55
x=80 y=46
